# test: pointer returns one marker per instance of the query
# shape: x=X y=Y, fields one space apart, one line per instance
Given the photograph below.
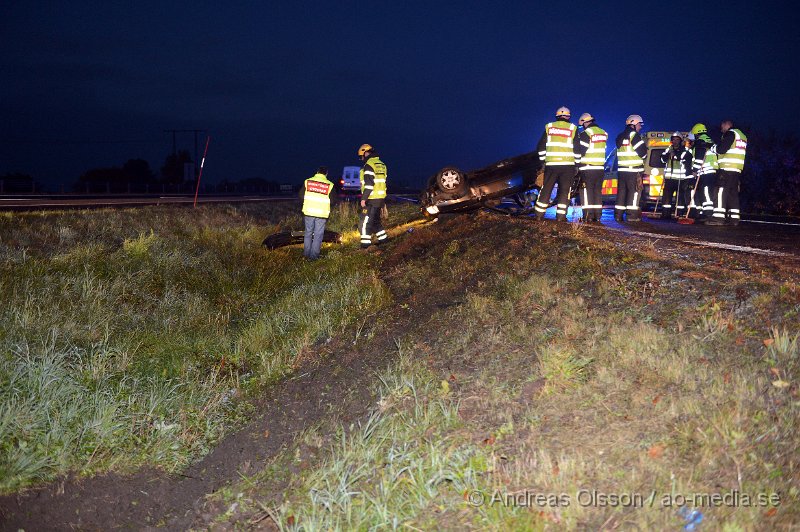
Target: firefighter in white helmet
x=631 y=151
x=592 y=147
x=677 y=174
x=695 y=208
x=558 y=150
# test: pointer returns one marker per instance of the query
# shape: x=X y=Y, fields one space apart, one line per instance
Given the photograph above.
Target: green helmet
x=699 y=128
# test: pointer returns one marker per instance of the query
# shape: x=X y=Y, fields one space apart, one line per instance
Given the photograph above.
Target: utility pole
x=175 y=145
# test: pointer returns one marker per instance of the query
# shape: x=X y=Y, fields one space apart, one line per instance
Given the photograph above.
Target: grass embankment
x=128 y=336
x=565 y=382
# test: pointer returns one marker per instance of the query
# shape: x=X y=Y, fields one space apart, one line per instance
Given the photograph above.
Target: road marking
x=706 y=243
x=765 y=222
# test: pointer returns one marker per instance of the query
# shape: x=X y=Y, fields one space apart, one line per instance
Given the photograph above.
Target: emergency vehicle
x=653 y=177
x=350 y=182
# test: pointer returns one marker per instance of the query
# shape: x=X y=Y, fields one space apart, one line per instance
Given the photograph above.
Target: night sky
x=285 y=87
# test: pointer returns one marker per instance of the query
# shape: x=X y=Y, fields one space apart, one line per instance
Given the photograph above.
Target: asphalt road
x=776 y=236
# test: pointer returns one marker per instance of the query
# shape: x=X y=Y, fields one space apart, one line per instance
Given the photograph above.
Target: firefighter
x=694 y=209
x=677 y=172
x=592 y=149
x=705 y=168
x=730 y=158
x=558 y=150
x=316 y=195
x=373 y=196
x=631 y=151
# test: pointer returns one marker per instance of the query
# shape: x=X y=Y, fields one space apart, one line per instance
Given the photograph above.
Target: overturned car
x=452 y=191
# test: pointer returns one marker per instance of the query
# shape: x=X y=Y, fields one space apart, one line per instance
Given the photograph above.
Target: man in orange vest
x=316 y=195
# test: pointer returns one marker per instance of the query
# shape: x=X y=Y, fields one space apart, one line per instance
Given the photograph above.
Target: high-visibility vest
x=627 y=158
x=675 y=165
x=560 y=147
x=595 y=156
x=378 y=174
x=697 y=162
x=316 y=199
x=733 y=159
x=710 y=162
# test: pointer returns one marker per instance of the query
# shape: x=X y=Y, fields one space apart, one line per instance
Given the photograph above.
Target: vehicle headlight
x=433 y=209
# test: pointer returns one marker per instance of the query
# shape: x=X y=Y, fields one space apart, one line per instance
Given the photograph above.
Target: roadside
x=518 y=358
x=559 y=371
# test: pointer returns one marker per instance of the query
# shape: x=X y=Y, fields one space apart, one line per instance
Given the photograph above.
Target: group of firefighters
x=701 y=176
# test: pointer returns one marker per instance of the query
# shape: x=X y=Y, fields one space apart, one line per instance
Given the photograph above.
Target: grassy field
x=129 y=336
x=565 y=381
x=535 y=376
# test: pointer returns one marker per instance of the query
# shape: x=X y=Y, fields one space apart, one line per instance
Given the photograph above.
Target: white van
x=350 y=182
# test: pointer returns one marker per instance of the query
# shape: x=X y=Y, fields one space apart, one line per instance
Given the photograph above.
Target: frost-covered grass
x=549 y=387
x=128 y=336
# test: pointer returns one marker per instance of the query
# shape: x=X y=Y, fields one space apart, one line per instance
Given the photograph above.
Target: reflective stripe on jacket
x=559 y=146
x=678 y=165
x=594 y=140
x=373 y=179
x=733 y=159
x=628 y=160
x=316 y=197
x=710 y=162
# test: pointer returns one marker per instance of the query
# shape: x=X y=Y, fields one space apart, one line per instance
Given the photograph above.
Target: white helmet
x=633 y=120
x=563 y=111
x=690 y=136
x=585 y=117
x=676 y=134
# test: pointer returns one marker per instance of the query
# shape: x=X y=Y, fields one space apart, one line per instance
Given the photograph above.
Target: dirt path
x=342 y=380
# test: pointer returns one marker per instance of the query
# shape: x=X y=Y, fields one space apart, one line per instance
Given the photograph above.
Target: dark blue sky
x=284 y=88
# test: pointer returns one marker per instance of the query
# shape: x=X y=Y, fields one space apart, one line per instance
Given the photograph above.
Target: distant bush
x=771 y=177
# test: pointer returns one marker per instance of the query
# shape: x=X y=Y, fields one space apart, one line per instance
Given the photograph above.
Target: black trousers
x=681 y=189
x=705 y=193
x=563 y=176
x=726 y=195
x=592 y=194
x=629 y=194
x=370 y=223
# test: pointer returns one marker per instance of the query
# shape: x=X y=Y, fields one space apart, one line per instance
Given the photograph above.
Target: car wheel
x=526 y=198
x=451 y=180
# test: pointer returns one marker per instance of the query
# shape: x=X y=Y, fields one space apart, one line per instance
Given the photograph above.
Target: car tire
x=526 y=198
x=451 y=180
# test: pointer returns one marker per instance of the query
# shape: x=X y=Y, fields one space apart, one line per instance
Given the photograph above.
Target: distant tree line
x=135 y=176
x=770 y=182
x=771 y=177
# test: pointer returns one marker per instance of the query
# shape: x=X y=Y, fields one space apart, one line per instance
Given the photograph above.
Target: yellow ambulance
x=653 y=178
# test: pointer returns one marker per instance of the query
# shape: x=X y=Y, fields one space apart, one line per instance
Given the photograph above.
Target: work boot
x=715 y=221
x=618 y=216
x=561 y=217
